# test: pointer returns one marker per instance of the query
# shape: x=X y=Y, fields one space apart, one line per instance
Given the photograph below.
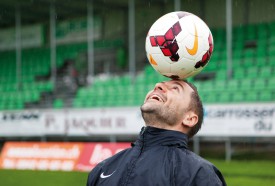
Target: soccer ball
x=179 y=45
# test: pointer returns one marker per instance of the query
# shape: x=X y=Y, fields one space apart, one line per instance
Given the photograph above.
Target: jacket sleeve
x=209 y=175
x=94 y=176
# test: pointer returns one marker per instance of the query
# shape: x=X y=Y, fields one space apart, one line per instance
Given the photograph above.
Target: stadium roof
x=37 y=11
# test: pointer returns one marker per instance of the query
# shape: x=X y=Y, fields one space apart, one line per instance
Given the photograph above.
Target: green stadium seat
x=11 y=106
x=271 y=61
x=266 y=96
x=219 y=34
x=207 y=86
x=148 y=70
x=224 y=97
x=221 y=75
x=239 y=73
x=246 y=84
x=251 y=96
x=210 y=97
x=222 y=64
x=261 y=51
x=238 y=96
x=249 y=53
x=262 y=29
x=260 y=84
x=2 y=106
x=262 y=41
x=252 y=72
x=271 y=48
x=248 y=62
x=77 y=103
x=140 y=98
x=222 y=55
x=82 y=93
x=271 y=52
x=239 y=33
x=251 y=32
x=219 y=85
x=140 y=79
x=88 y=103
x=58 y=103
x=266 y=72
x=238 y=45
x=238 y=53
x=109 y=101
x=236 y=63
x=126 y=80
x=261 y=61
x=210 y=67
x=233 y=85
x=15 y=105
x=271 y=39
x=271 y=83
x=31 y=96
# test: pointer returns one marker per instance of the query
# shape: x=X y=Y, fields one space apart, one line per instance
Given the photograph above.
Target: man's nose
x=160 y=87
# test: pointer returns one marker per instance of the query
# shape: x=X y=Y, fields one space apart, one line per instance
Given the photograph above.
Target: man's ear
x=190 y=119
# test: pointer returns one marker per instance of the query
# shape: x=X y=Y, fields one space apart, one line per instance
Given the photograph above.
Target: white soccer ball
x=179 y=45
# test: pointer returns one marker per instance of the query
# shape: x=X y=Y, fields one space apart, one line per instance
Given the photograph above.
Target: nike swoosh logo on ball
x=106 y=176
x=194 y=50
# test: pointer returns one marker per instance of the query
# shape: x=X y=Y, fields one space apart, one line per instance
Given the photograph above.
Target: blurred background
x=73 y=75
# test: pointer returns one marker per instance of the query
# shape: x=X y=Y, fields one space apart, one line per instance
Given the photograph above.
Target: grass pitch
x=42 y=178
x=236 y=173
x=243 y=173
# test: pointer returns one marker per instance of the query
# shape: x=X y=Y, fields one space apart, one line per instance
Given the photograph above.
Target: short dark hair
x=197 y=107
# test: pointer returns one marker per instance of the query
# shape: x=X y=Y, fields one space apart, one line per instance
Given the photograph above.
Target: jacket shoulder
x=202 y=171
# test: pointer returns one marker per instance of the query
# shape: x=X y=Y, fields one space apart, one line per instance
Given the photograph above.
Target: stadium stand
x=19 y=92
x=252 y=79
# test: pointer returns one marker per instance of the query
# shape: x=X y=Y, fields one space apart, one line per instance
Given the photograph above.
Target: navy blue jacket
x=158 y=157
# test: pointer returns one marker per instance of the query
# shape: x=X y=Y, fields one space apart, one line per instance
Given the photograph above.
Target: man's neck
x=160 y=125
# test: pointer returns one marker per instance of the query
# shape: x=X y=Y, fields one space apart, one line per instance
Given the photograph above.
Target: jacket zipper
x=134 y=162
x=143 y=142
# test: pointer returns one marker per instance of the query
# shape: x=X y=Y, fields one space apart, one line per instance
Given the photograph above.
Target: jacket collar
x=151 y=136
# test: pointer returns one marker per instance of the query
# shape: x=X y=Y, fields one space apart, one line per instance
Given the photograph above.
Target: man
x=172 y=113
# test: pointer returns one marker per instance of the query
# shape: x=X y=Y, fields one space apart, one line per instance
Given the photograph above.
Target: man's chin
x=148 y=107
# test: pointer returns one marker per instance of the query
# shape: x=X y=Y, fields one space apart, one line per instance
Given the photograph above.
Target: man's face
x=168 y=101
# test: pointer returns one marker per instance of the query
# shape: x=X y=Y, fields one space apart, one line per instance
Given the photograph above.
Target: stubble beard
x=158 y=115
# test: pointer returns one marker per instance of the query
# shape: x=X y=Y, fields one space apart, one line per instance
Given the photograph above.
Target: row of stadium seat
x=36 y=62
x=30 y=95
x=247 y=32
x=264 y=84
x=9 y=88
x=108 y=94
x=12 y=98
x=252 y=78
x=245 y=90
x=238 y=96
